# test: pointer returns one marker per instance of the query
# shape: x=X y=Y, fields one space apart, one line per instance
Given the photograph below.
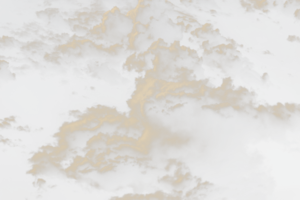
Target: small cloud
x=293 y=38
x=268 y=52
x=93 y=88
x=39 y=129
x=23 y=128
x=74 y=93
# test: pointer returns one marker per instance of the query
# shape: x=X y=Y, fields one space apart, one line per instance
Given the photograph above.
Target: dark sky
x=149 y=100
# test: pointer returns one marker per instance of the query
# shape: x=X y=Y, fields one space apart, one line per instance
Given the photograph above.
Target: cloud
x=169 y=62
x=200 y=4
x=177 y=134
x=5 y=73
x=267 y=52
x=287 y=7
x=114 y=27
x=293 y=38
x=40 y=184
x=53 y=18
x=142 y=35
x=8 y=42
x=7 y=124
x=230 y=61
x=7 y=141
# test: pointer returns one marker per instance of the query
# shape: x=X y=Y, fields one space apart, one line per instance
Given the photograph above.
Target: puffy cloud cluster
x=182 y=135
x=7 y=124
x=288 y=7
x=169 y=62
x=5 y=73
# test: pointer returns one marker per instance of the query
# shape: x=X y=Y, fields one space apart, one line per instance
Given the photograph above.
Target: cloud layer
x=171 y=100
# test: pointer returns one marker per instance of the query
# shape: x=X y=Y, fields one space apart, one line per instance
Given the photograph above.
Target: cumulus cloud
x=8 y=42
x=172 y=139
x=151 y=99
x=288 y=7
x=5 y=73
x=293 y=38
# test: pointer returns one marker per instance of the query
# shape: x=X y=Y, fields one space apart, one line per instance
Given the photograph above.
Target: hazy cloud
x=5 y=73
x=8 y=42
x=288 y=7
x=293 y=38
x=53 y=18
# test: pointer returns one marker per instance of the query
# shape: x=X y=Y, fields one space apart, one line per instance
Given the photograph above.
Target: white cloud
x=7 y=141
x=170 y=62
x=229 y=60
x=53 y=18
x=288 y=7
x=114 y=26
x=173 y=136
x=293 y=38
x=8 y=42
x=40 y=184
x=5 y=73
x=200 y=4
x=142 y=35
x=267 y=52
x=7 y=124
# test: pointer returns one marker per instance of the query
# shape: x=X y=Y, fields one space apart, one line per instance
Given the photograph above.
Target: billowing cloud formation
x=288 y=7
x=170 y=62
x=182 y=135
x=5 y=73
